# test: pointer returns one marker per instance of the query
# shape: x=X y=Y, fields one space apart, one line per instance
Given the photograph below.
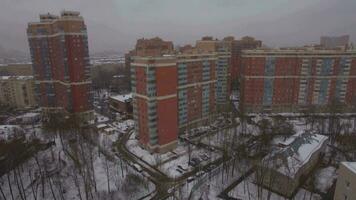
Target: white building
x=346 y=182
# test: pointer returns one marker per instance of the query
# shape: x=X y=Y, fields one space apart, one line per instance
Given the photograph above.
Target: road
x=162 y=181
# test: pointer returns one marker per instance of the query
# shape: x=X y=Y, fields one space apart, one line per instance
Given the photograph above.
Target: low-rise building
x=17 y=91
x=346 y=182
x=20 y=69
x=121 y=103
x=27 y=118
x=286 y=167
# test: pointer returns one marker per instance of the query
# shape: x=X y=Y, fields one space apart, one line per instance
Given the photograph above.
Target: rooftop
x=299 y=51
x=350 y=165
x=122 y=98
x=16 y=77
x=288 y=160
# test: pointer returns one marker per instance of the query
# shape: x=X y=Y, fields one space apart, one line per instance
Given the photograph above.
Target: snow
x=123 y=126
x=8 y=132
x=100 y=118
x=122 y=98
x=324 y=178
x=350 y=165
x=248 y=190
x=109 y=130
x=67 y=180
x=16 y=77
x=168 y=162
x=99 y=126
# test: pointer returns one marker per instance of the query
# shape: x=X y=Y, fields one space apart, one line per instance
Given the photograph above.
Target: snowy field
x=212 y=183
x=248 y=190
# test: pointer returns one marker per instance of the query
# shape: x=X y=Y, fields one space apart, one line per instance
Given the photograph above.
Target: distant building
x=153 y=47
x=17 y=91
x=334 y=42
x=346 y=182
x=284 y=80
x=172 y=91
x=16 y=70
x=245 y=43
x=288 y=166
x=121 y=103
x=60 y=59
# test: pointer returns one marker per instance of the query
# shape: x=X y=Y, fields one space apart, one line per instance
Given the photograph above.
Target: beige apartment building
x=17 y=91
x=346 y=182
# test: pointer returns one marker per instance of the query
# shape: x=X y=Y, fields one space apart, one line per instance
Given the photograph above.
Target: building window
x=347 y=184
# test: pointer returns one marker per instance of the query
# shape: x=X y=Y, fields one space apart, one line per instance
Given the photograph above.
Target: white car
x=138 y=167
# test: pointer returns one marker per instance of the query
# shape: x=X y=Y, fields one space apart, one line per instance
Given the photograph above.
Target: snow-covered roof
x=350 y=165
x=101 y=126
x=29 y=115
x=109 y=129
x=16 y=77
x=288 y=160
x=122 y=98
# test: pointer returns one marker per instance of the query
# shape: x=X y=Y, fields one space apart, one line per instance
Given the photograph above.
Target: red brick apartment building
x=172 y=89
x=283 y=80
x=60 y=60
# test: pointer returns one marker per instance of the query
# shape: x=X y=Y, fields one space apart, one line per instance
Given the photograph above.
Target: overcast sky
x=116 y=24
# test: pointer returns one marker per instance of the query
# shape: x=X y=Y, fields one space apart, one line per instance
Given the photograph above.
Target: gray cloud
x=116 y=24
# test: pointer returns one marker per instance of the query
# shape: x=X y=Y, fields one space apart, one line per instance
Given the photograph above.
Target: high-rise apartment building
x=17 y=91
x=245 y=43
x=222 y=52
x=295 y=79
x=146 y=47
x=60 y=59
x=172 y=90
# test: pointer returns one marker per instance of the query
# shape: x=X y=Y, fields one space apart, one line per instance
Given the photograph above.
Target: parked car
x=205 y=157
x=194 y=162
x=182 y=168
x=190 y=179
x=137 y=167
x=211 y=167
x=200 y=173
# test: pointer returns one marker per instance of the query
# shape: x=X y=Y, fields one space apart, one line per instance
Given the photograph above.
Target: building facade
x=16 y=70
x=296 y=79
x=176 y=90
x=121 y=103
x=17 y=91
x=245 y=43
x=346 y=181
x=60 y=59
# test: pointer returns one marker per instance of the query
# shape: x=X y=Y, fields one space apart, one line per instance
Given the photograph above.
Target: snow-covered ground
x=248 y=190
x=168 y=162
x=72 y=168
x=212 y=183
x=324 y=178
x=8 y=132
